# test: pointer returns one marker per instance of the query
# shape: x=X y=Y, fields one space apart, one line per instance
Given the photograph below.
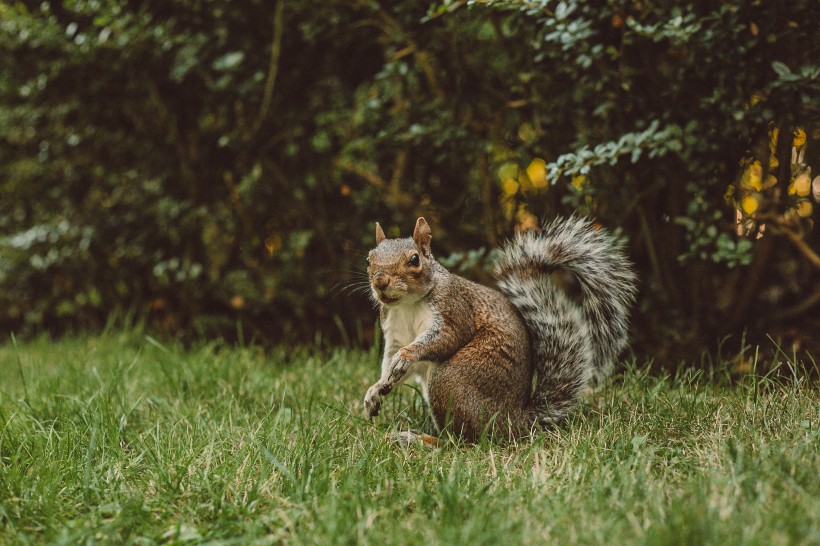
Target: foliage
x=158 y=130
x=123 y=439
x=215 y=166
x=666 y=99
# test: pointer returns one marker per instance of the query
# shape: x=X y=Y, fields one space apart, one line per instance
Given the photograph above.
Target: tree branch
x=799 y=243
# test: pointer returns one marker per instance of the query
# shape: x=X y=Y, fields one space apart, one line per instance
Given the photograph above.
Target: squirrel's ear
x=422 y=237
x=379 y=234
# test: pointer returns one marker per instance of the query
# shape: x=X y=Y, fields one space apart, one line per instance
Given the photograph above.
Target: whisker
x=346 y=287
x=354 y=282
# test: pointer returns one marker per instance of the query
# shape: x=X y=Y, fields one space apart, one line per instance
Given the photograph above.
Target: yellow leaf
x=749 y=204
x=273 y=243
x=804 y=208
x=756 y=175
x=509 y=186
x=774 y=133
x=508 y=175
x=508 y=170
x=752 y=177
x=802 y=184
x=756 y=97
x=791 y=189
x=579 y=182
x=799 y=138
x=524 y=181
x=729 y=193
x=537 y=173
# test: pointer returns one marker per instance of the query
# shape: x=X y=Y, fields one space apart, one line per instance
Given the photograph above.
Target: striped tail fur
x=572 y=345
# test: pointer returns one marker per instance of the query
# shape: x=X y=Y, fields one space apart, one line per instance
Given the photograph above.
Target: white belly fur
x=402 y=325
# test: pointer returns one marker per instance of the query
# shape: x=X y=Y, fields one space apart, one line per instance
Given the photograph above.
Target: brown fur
x=486 y=381
x=481 y=380
x=506 y=362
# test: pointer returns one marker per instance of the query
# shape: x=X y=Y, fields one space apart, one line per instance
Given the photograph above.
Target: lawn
x=122 y=439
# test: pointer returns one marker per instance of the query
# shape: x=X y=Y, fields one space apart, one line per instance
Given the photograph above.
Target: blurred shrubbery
x=214 y=164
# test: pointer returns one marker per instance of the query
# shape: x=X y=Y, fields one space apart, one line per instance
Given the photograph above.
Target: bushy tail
x=571 y=345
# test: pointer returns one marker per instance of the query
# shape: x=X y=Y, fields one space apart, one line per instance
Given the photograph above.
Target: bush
x=217 y=167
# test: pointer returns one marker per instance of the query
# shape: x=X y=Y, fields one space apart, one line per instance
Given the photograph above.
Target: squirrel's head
x=400 y=269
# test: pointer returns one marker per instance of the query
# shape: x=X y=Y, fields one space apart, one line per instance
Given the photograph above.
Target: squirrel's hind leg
x=467 y=407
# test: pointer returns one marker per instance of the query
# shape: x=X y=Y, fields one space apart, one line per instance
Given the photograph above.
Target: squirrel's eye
x=414 y=260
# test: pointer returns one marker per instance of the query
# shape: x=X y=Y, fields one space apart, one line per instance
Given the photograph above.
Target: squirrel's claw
x=373 y=400
x=398 y=369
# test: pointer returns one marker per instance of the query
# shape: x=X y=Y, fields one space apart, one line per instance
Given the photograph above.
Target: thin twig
x=783 y=225
x=273 y=69
x=650 y=247
x=370 y=176
x=800 y=244
x=797 y=310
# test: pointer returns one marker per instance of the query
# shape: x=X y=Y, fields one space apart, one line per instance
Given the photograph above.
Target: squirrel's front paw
x=373 y=400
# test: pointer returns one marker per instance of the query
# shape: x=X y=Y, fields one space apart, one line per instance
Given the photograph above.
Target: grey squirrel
x=476 y=349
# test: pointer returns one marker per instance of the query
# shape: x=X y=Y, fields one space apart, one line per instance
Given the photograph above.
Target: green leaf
x=781 y=69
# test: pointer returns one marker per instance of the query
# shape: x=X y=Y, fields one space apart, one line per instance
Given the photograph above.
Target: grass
x=121 y=439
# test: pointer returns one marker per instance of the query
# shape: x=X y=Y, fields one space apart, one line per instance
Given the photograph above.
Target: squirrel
x=501 y=362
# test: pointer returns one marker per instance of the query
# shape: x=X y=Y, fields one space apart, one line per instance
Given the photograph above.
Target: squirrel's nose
x=381 y=281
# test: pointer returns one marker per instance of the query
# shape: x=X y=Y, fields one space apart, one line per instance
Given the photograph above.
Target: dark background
x=214 y=168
